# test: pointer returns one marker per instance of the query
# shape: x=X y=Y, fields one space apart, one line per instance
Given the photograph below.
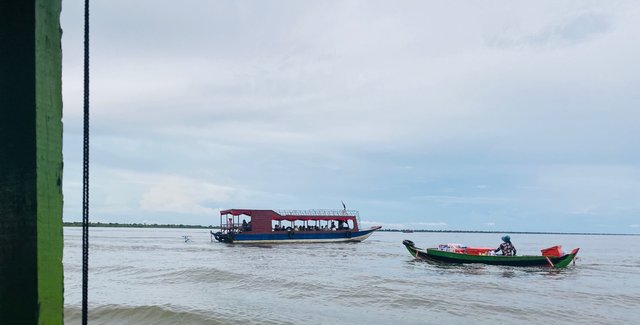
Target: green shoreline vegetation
x=135 y=225
x=155 y=225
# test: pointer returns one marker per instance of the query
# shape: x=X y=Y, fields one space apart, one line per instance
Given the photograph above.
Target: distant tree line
x=508 y=232
x=155 y=225
x=135 y=225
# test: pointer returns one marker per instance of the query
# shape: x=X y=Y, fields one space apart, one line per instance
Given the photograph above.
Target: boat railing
x=319 y=212
x=229 y=228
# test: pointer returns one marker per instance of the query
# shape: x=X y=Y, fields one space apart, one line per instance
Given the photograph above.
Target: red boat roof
x=292 y=215
x=237 y=212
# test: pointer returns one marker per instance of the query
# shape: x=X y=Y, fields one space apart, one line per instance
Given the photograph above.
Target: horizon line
x=156 y=225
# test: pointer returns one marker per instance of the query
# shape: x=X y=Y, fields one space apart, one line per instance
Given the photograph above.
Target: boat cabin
x=269 y=221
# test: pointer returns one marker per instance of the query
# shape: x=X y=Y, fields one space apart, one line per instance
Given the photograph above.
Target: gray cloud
x=298 y=105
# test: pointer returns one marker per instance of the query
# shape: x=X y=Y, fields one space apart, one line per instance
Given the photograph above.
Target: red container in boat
x=478 y=250
x=552 y=251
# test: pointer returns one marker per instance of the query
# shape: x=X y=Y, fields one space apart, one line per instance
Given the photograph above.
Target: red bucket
x=552 y=251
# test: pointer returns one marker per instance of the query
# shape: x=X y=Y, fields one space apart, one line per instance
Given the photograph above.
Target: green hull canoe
x=436 y=255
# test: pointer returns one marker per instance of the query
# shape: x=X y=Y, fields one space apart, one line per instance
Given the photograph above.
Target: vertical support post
x=31 y=281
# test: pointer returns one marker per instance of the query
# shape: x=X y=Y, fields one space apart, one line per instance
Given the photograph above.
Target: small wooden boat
x=290 y=226
x=441 y=256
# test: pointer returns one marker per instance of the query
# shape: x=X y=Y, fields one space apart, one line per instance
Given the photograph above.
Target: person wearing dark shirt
x=506 y=247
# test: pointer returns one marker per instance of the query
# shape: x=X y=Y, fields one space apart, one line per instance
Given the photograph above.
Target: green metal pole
x=31 y=281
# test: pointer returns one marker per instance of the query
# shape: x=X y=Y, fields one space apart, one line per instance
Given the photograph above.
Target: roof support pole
x=31 y=281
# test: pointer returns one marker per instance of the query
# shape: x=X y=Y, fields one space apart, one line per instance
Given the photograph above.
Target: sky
x=446 y=115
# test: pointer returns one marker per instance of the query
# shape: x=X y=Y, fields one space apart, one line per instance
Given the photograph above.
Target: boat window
x=279 y=225
x=246 y=223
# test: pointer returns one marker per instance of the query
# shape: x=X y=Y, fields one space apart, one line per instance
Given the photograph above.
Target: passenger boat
x=552 y=257
x=243 y=226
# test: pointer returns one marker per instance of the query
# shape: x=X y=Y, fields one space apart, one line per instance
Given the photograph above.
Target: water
x=151 y=276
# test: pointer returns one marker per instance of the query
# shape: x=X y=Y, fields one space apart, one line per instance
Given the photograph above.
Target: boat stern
x=223 y=237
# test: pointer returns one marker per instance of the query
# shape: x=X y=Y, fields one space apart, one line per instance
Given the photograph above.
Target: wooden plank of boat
x=436 y=255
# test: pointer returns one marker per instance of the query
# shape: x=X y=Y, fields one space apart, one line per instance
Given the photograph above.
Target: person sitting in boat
x=506 y=247
x=333 y=225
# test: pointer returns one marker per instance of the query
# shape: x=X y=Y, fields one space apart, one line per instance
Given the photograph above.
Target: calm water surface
x=151 y=276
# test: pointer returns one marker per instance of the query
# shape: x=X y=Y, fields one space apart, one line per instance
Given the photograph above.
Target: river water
x=152 y=276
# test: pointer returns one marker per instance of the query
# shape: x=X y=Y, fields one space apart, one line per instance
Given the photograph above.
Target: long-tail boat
x=554 y=258
x=243 y=226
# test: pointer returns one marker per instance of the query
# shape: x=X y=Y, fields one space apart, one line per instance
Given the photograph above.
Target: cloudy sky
x=492 y=115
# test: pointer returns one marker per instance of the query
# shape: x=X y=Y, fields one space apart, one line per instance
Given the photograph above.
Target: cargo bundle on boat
x=460 y=254
x=290 y=226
